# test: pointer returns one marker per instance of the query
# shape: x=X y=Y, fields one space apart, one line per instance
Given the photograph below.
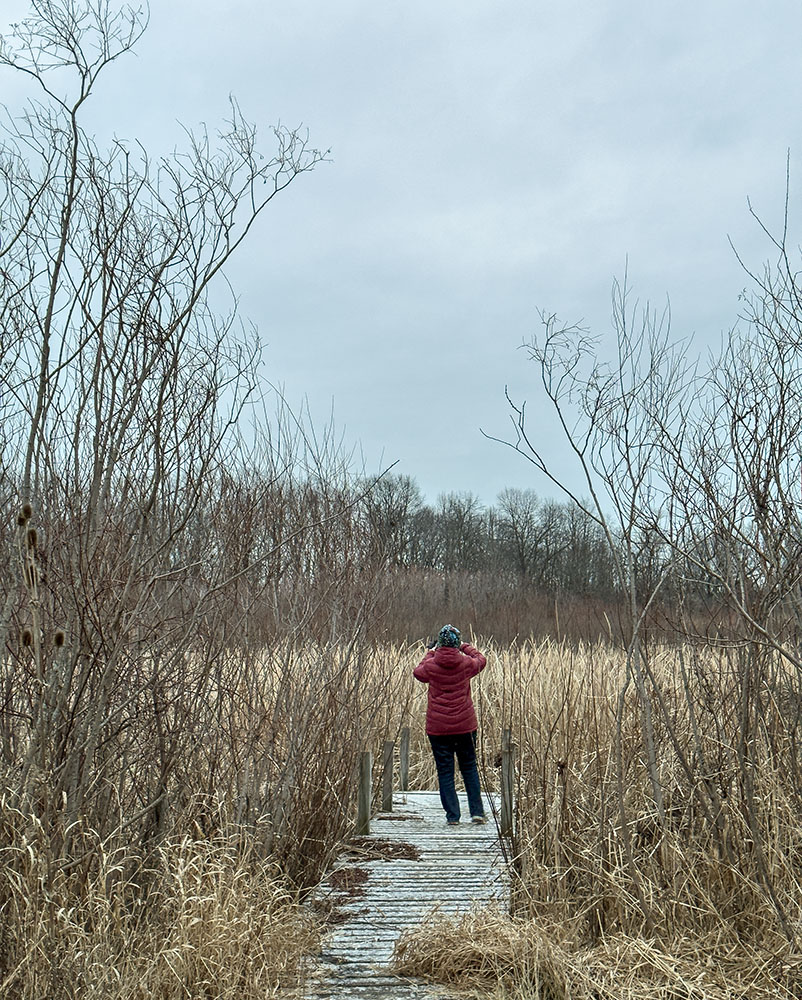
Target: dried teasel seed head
x=27 y=637
x=59 y=638
x=32 y=538
x=27 y=511
x=21 y=519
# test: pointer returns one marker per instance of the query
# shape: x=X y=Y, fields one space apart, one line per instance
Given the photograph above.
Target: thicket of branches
x=151 y=513
x=704 y=465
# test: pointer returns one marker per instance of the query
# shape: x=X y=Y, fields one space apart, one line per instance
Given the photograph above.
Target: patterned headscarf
x=448 y=636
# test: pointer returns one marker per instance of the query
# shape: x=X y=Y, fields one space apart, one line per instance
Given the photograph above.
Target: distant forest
x=522 y=565
x=333 y=556
x=542 y=543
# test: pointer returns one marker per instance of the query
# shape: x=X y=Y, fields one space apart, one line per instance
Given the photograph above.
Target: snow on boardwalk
x=411 y=863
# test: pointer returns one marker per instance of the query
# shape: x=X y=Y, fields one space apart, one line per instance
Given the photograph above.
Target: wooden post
x=387 y=776
x=365 y=794
x=403 y=763
x=507 y=768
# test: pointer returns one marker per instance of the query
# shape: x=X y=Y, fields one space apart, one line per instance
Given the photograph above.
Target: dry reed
x=201 y=920
x=615 y=894
x=487 y=954
x=610 y=898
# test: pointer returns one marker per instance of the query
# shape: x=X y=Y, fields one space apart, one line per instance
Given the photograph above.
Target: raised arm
x=421 y=672
x=479 y=662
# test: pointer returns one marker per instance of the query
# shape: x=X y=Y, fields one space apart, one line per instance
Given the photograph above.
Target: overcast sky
x=488 y=160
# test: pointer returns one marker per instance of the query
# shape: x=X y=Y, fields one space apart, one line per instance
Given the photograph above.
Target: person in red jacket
x=451 y=718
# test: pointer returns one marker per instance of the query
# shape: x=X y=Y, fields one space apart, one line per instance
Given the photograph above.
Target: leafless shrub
x=185 y=651
x=693 y=475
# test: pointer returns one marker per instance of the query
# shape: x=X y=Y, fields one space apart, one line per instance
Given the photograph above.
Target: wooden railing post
x=507 y=770
x=365 y=794
x=403 y=763
x=387 y=776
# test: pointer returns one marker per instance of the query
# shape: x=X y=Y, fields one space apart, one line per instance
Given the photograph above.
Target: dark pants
x=464 y=746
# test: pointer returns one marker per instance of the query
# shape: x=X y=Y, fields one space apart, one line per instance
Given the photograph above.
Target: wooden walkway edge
x=411 y=863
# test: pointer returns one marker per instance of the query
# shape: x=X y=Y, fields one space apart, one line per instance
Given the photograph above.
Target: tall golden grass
x=200 y=919
x=613 y=895
x=200 y=895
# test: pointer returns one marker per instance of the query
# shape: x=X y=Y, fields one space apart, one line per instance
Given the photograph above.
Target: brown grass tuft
x=487 y=954
x=484 y=950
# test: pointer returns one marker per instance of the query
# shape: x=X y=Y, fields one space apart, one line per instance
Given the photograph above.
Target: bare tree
x=521 y=528
x=612 y=418
x=461 y=528
x=392 y=508
x=122 y=393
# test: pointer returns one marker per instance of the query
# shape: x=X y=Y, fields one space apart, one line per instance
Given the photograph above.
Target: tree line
x=539 y=543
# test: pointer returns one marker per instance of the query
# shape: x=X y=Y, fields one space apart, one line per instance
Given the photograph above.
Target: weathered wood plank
x=456 y=868
x=507 y=772
x=364 y=793
x=388 y=760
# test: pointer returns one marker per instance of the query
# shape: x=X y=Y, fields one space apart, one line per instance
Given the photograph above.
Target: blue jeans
x=464 y=746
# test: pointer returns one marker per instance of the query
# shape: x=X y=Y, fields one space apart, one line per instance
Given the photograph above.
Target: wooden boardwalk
x=411 y=863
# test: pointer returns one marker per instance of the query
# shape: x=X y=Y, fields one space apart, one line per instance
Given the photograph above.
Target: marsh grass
x=611 y=894
x=489 y=955
x=200 y=919
x=610 y=898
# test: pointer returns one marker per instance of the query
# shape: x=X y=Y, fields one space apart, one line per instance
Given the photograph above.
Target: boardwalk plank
x=457 y=868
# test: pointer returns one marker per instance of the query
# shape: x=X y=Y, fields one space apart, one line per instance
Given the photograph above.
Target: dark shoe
x=452 y=822
x=478 y=819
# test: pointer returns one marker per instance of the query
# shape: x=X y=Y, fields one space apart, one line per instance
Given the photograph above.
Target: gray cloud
x=489 y=159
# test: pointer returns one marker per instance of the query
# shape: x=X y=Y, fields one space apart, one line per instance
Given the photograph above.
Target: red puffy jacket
x=448 y=671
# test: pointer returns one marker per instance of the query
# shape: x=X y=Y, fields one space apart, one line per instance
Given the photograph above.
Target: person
x=451 y=722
